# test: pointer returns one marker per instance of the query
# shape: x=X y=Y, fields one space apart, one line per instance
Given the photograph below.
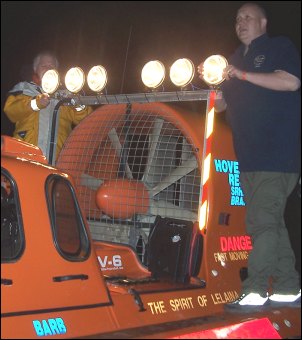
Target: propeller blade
x=118 y=148
x=153 y=139
x=179 y=172
x=90 y=181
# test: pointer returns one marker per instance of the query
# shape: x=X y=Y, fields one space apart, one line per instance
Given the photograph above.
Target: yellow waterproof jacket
x=35 y=126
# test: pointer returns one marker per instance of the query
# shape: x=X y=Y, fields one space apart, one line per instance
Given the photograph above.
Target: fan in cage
x=132 y=163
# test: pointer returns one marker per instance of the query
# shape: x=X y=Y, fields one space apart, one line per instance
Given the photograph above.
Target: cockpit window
x=68 y=227
x=12 y=239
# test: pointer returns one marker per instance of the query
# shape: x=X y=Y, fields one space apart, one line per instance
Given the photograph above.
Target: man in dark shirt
x=262 y=105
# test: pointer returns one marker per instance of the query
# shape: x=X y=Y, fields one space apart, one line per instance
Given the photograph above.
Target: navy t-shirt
x=265 y=123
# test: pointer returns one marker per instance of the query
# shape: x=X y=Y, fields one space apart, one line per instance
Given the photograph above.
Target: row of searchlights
x=75 y=79
x=153 y=74
x=182 y=72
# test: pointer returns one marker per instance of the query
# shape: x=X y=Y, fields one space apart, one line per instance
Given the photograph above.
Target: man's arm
x=278 y=80
x=17 y=107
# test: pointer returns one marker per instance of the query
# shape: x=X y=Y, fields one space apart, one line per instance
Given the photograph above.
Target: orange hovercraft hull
x=60 y=281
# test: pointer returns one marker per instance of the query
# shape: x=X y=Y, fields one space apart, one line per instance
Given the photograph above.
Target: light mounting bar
x=143 y=97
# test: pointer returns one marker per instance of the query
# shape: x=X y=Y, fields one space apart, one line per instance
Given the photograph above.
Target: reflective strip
x=33 y=104
x=80 y=108
x=206 y=160
x=284 y=297
x=206 y=169
x=203 y=215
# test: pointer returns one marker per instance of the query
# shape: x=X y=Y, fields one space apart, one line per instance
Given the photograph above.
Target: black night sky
x=123 y=35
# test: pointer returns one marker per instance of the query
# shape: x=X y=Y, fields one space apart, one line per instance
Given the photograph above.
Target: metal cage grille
x=141 y=161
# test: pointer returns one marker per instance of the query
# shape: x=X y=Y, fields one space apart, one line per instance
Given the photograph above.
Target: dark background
x=123 y=35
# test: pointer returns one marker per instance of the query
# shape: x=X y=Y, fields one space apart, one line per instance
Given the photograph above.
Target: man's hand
x=40 y=102
x=232 y=72
x=220 y=104
x=229 y=72
x=43 y=100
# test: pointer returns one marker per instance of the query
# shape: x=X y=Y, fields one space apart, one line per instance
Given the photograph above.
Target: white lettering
x=103 y=263
x=117 y=261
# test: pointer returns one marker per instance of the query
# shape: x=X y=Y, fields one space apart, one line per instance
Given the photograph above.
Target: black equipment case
x=174 y=249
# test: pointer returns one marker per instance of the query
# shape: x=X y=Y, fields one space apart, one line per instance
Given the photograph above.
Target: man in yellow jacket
x=32 y=110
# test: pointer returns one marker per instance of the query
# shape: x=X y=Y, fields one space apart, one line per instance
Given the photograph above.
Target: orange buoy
x=122 y=198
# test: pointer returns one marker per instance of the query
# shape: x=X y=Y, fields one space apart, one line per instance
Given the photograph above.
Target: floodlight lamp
x=182 y=72
x=213 y=68
x=97 y=78
x=50 y=81
x=153 y=74
x=74 y=79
